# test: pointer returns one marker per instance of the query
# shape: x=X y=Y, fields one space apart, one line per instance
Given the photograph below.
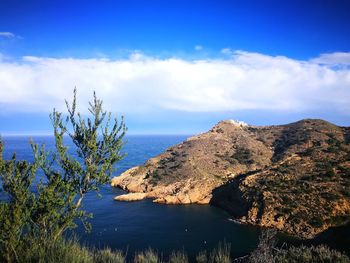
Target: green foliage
x=15 y=213
x=96 y=154
x=45 y=211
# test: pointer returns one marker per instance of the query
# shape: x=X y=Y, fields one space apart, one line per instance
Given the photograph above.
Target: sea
x=137 y=226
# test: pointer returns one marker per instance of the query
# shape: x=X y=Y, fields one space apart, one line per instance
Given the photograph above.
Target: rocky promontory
x=294 y=177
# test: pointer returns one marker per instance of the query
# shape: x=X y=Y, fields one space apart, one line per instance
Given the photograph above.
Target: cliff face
x=295 y=177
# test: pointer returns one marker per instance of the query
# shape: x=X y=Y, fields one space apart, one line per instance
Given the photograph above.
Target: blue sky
x=177 y=66
x=294 y=28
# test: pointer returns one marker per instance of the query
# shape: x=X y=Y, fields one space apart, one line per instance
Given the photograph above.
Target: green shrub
x=56 y=205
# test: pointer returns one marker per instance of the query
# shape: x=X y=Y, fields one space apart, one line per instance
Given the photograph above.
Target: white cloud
x=7 y=35
x=146 y=84
x=198 y=47
x=226 y=51
x=335 y=59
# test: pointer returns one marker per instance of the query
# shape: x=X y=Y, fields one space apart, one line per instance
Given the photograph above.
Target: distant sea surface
x=135 y=226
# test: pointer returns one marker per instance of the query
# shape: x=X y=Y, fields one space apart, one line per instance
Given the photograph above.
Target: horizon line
x=129 y=134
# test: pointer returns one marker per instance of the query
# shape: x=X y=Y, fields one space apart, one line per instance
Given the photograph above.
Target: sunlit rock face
x=295 y=177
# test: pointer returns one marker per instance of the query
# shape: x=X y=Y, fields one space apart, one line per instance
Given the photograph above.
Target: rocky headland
x=295 y=177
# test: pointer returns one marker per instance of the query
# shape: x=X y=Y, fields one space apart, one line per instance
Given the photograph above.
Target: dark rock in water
x=294 y=177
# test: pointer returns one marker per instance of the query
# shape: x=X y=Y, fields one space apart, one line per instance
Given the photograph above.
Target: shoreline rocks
x=131 y=197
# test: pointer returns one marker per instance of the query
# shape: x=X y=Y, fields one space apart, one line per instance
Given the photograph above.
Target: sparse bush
x=330 y=172
x=178 y=257
x=60 y=250
x=221 y=254
x=243 y=155
x=202 y=257
x=267 y=252
x=316 y=221
x=309 y=255
x=148 y=256
x=108 y=256
x=154 y=177
x=264 y=252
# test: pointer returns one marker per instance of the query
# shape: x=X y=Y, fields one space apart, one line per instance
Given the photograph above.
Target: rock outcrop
x=294 y=177
x=131 y=197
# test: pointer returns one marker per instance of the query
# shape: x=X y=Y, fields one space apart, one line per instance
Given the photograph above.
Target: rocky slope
x=294 y=177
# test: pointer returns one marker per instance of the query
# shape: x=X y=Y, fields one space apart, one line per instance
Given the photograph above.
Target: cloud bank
x=7 y=35
x=239 y=81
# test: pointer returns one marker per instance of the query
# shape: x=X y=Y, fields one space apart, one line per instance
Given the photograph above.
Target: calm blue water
x=135 y=226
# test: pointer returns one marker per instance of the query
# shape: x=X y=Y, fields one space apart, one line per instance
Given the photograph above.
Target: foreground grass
x=70 y=251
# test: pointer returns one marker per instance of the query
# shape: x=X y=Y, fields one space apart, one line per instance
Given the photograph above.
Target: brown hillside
x=294 y=177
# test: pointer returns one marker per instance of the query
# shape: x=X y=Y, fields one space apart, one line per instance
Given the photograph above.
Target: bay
x=136 y=226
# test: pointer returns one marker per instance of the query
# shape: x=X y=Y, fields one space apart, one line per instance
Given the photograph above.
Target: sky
x=175 y=67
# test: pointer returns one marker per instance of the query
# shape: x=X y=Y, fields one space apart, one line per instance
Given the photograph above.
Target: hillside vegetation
x=295 y=177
